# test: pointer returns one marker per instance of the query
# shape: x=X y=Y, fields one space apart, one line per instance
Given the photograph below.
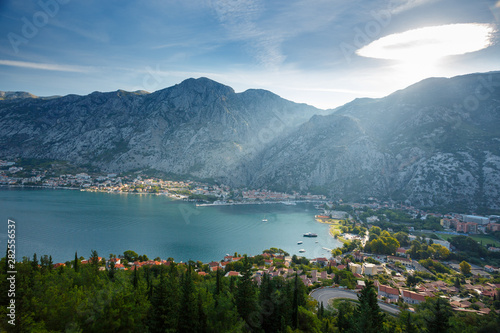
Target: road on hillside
x=325 y=294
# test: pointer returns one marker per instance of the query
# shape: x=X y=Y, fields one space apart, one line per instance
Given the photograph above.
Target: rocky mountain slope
x=199 y=127
x=436 y=143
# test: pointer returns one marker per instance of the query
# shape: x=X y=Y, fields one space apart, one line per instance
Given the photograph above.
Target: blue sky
x=306 y=51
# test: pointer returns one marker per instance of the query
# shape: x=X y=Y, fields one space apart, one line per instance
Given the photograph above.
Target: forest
x=177 y=297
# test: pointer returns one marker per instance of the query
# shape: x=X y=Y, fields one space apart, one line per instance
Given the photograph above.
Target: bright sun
x=417 y=53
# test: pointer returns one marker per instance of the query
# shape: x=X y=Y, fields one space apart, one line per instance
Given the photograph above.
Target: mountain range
x=435 y=143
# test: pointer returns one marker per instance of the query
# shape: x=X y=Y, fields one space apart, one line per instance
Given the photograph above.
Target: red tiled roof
x=412 y=295
x=388 y=290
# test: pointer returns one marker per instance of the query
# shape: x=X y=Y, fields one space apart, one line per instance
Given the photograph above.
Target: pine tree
x=217 y=283
x=266 y=291
x=295 y=302
x=345 y=316
x=94 y=260
x=188 y=314
x=370 y=317
x=159 y=310
x=457 y=282
x=245 y=294
x=76 y=264
x=136 y=278
x=407 y=323
x=34 y=263
x=438 y=322
x=50 y=263
x=321 y=311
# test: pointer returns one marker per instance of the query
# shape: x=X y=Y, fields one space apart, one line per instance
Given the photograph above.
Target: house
x=321 y=261
x=370 y=269
x=490 y=269
x=232 y=273
x=356 y=268
x=403 y=261
x=400 y=252
x=467 y=227
x=215 y=268
x=391 y=294
x=119 y=266
x=360 y=284
x=411 y=297
x=115 y=260
x=493 y=227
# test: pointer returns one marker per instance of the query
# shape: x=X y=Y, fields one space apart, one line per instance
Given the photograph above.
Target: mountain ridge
x=432 y=143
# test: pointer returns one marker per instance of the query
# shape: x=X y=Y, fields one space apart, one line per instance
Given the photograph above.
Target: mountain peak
x=204 y=85
x=16 y=95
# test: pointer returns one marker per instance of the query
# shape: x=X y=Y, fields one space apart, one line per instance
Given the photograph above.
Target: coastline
x=334 y=230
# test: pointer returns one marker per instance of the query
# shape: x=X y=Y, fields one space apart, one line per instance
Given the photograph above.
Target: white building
x=370 y=269
x=356 y=268
x=476 y=219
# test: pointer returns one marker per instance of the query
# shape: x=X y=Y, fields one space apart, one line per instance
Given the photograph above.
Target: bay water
x=59 y=222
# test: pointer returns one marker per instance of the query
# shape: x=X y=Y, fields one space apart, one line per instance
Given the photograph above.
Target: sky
x=320 y=52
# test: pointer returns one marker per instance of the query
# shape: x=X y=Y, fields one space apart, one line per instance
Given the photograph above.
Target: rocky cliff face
x=434 y=143
x=199 y=127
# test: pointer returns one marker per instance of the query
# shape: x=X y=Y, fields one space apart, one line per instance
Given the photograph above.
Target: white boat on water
x=302 y=250
x=299 y=242
x=264 y=220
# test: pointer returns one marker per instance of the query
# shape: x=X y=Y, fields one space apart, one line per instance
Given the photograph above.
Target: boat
x=299 y=242
x=264 y=220
x=310 y=234
x=302 y=250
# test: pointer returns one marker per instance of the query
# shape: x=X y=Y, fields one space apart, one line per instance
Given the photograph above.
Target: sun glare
x=418 y=54
x=430 y=43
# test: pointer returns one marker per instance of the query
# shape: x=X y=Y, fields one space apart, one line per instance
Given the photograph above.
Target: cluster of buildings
x=471 y=224
x=265 y=195
x=431 y=289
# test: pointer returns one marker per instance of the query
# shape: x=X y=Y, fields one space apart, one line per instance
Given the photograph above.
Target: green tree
x=76 y=263
x=370 y=317
x=345 y=316
x=465 y=268
x=159 y=314
x=438 y=321
x=94 y=261
x=246 y=300
x=130 y=255
x=407 y=322
x=188 y=314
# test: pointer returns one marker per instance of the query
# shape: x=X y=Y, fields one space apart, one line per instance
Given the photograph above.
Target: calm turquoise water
x=60 y=222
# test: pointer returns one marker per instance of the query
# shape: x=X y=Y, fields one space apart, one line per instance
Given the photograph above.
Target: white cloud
x=430 y=43
x=47 y=67
x=398 y=6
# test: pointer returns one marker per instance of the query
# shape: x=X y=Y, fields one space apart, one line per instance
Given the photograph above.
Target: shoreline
x=171 y=196
x=334 y=229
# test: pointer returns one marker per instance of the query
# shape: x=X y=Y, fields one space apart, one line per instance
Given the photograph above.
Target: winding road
x=325 y=294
